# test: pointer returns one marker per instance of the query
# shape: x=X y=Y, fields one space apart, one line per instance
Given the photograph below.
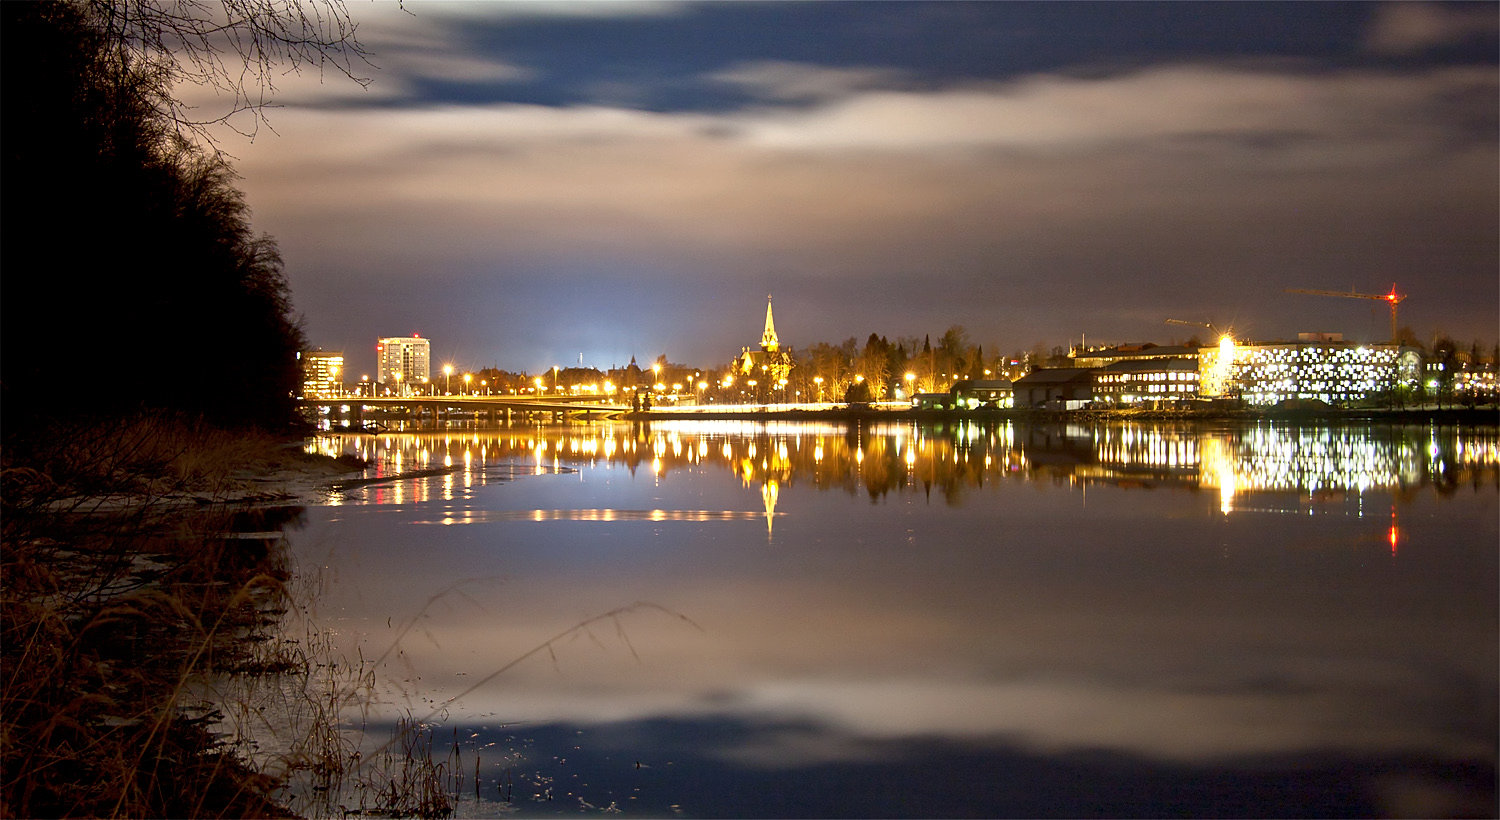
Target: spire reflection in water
x=1228 y=620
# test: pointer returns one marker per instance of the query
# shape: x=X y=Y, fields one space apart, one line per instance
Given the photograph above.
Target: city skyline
x=525 y=184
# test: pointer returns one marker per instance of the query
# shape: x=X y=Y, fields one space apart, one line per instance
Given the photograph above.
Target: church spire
x=768 y=341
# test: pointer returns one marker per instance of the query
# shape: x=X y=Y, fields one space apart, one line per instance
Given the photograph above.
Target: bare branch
x=236 y=47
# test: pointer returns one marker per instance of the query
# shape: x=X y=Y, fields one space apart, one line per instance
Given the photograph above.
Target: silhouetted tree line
x=132 y=277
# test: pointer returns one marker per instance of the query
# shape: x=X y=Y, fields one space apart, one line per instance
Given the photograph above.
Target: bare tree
x=237 y=47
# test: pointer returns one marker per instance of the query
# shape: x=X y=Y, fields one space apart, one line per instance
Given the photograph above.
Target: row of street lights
x=539 y=382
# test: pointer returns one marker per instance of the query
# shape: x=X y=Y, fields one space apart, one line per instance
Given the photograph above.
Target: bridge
x=573 y=407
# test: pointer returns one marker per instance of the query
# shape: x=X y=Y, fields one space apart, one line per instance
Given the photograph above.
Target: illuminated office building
x=403 y=361
x=1318 y=367
x=322 y=372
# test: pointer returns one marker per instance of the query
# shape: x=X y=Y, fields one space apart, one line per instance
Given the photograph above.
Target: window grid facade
x=1268 y=374
x=321 y=373
x=1134 y=382
x=403 y=361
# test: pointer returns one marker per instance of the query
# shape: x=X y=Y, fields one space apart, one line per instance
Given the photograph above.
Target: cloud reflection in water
x=1066 y=596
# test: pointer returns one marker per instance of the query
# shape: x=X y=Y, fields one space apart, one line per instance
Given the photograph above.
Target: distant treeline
x=133 y=280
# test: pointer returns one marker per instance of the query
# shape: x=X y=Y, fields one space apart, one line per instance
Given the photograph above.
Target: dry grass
x=140 y=647
x=110 y=612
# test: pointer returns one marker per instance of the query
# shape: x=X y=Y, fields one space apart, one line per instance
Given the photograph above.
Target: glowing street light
x=468 y=377
x=447 y=378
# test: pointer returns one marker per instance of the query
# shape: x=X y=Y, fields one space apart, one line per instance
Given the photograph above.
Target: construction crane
x=1393 y=299
x=1208 y=325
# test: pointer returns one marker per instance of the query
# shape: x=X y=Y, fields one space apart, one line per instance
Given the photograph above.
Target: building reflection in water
x=1237 y=463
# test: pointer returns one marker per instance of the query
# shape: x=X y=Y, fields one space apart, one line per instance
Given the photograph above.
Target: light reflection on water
x=1205 y=609
x=882 y=458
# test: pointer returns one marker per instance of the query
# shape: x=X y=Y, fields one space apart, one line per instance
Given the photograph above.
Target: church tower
x=768 y=341
x=770 y=365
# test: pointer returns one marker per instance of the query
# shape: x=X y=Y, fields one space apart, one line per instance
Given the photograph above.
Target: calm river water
x=920 y=620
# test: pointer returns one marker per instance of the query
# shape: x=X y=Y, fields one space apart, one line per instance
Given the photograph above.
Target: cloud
x=1056 y=114
x=876 y=164
x=800 y=82
x=496 y=10
x=1411 y=28
x=1186 y=182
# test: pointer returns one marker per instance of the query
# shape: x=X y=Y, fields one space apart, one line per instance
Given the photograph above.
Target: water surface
x=919 y=620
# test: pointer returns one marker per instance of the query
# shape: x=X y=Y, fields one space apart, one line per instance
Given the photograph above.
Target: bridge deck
x=562 y=404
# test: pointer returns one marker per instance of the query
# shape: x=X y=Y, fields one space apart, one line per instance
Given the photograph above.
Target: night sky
x=528 y=184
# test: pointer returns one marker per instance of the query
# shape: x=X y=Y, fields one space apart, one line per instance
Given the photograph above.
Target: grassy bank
x=122 y=584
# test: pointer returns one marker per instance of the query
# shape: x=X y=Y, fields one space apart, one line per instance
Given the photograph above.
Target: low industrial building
x=1096 y=357
x=1136 y=382
x=932 y=401
x=972 y=393
x=1066 y=388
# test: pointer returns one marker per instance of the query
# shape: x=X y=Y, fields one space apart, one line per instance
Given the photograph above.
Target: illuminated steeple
x=768 y=341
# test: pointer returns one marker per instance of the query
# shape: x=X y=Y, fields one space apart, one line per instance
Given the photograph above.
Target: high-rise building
x=402 y=361
x=322 y=373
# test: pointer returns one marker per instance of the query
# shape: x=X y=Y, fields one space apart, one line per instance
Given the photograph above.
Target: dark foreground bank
x=126 y=577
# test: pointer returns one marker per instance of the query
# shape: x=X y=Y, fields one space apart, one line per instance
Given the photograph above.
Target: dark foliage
x=132 y=278
x=858 y=393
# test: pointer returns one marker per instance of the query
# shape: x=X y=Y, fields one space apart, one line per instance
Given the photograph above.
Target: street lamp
x=448 y=378
x=398 y=384
x=818 y=380
x=468 y=377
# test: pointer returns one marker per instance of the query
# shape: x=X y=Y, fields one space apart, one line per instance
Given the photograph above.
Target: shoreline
x=1477 y=415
